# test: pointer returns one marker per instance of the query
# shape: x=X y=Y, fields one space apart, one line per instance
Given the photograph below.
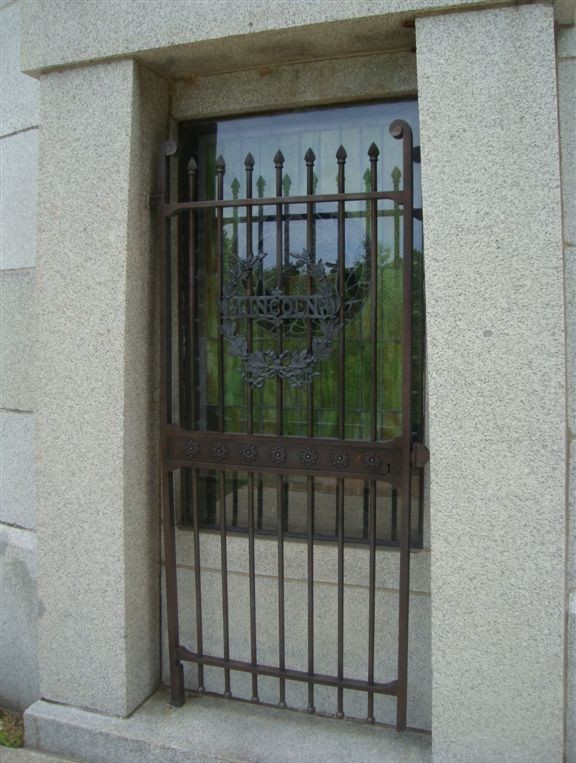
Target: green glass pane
x=355 y=127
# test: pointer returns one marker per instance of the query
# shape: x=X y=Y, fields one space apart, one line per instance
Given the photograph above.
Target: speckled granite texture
x=496 y=345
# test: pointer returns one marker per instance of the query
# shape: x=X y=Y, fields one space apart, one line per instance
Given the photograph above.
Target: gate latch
x=420 y=455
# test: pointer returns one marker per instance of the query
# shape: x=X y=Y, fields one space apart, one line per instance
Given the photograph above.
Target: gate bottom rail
x=390 y=688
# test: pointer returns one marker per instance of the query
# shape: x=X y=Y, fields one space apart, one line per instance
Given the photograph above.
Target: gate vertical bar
x=395 y=175
x=310 y=158
x=169 y=149
x=249 y=166
x=373 y=154
x=191 y=350
x=260 y=185
x=367 y=178
x=220 y=170
x=235 y=187
x=278 y=164
x=399 y=129
x=286 y=185
x=341 y=159
x=193 y=413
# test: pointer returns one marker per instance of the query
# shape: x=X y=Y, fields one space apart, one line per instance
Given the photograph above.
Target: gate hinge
x=154 y=200
x=420 y=455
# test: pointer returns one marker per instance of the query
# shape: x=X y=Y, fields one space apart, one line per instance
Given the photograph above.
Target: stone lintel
x=344 y=80
x=196 y=37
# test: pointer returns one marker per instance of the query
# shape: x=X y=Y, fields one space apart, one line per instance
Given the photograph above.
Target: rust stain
x=193 y=79
x=265 y=71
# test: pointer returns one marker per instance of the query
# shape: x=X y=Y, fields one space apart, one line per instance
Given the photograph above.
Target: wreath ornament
x=296 y=367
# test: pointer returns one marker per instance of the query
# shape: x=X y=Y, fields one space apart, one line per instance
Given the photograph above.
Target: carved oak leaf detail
x=297 y=368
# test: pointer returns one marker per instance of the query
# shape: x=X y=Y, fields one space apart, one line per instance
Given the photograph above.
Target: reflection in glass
x=354 y=127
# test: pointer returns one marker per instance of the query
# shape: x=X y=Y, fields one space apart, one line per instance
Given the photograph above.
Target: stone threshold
x=215 y=730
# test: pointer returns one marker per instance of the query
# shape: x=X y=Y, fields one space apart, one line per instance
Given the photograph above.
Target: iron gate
x=320 y=311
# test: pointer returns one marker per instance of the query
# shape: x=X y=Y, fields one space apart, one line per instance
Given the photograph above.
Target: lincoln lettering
x=284 y=307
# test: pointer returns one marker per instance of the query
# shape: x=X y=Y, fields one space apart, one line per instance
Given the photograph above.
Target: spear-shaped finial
x=279 y=159
x=309 y=157
x=235 y=187
x=373 y=151
x=192 y=166
x=249 y=161
x=341 y=155
x=220 y=164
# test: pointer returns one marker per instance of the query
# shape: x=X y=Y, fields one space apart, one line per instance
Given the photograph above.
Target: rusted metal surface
x=373 y=154
x=168 y=150
x=189 y=447
x=401 y=130
x=321 y=679
x=289 y=455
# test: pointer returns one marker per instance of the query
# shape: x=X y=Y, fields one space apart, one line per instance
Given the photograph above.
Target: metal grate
x=276 y=336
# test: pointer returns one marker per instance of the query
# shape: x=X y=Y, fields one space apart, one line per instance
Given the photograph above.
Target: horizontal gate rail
x=355 y=684
x=173 y=208
x=290 y=455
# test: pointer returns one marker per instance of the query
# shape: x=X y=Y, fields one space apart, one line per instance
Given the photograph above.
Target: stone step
x=215 y=730
x=23 y=755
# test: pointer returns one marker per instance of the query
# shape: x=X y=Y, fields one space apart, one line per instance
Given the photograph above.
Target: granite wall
x=18 y=192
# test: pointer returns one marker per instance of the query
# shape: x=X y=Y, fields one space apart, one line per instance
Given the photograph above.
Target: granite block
x=17 y=318
x=17 y=470
x=97 y=485
x=570 y=296
x=238 y=36
x=496 y=346
x=297 y=85
x=18 y=189
x=20 y=92
x=566 y=41
x=567 y=111
x=571 y=683
x=572 y=517
x=19 y=611
x=212 y=730
x=295 y=560
x=325 y=629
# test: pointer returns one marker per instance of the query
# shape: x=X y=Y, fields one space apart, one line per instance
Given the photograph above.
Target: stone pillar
x=566 y=49
x=97 y=494
x=495 y=322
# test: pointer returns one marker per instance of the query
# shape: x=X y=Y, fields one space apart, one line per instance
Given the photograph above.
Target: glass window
x=294 y=134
